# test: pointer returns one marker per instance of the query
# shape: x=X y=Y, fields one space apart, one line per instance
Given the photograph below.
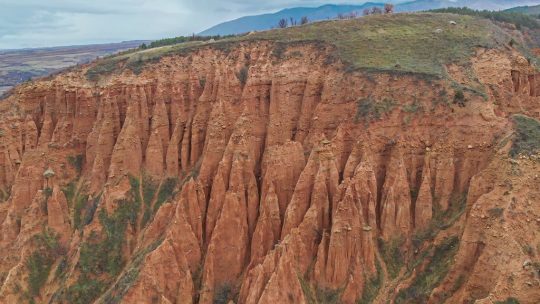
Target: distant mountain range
x=268 y=21
x=529 y=10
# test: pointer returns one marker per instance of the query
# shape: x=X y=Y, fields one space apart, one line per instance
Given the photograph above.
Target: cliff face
x=235 y=175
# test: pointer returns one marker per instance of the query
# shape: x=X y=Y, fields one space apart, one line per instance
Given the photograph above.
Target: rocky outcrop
x=444 y=180
x=424 y=201
x=268 y=228
x=164 y=278
x=58 y=215
x=396 y=219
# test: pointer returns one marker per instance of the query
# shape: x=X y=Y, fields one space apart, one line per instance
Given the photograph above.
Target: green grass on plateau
x=406 y=43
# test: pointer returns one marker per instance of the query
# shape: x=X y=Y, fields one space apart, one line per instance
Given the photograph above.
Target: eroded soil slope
x=258 y=171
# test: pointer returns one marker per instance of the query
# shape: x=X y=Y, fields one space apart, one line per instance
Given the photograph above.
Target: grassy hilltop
x=407 y=43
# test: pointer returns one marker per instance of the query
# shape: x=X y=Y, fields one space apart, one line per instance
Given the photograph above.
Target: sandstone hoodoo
x=355 y=161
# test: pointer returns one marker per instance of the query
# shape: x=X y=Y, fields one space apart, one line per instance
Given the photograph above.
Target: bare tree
x=293 y=21
x=376 y=10
x=388 y=8
x=366 y=12
x=304 y=20
x=282 y=23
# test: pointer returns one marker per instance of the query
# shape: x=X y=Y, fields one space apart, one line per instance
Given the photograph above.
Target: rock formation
x=186 y=184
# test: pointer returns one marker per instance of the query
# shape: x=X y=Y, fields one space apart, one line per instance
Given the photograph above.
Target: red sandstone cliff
x=184 y=185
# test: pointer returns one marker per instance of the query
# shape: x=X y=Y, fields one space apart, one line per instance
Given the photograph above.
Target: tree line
x=182 y=39
x=388 y=8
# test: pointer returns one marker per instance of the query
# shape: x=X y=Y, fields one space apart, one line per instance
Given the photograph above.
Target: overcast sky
x=39 y=23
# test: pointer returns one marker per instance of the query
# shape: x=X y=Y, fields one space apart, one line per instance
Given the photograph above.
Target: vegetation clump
x=414 y=107
x=441 y=99
x=222 y=294
x=528 y=249
x=306 y=289
x=166 y=191
x=242 y=75
x=149 y=189
x=459 y=98
x=39 y=266
x=496 y=212
x=442 y=220
x=527 y=136
x=84 y=291
x=319 y=294
x=4 y=195
x=432 y=274
x=101 y=260
x=77 y=162
x=508 y=301
x=372 y=286
x=47 y=192
x=279 y=50
x=77 y=200
x=39 y=263
x=127 y=278
x=104 y=67
x=369 y=110
x=326 y=295
x=392 y=255
x=69 y=192
x=411 y=110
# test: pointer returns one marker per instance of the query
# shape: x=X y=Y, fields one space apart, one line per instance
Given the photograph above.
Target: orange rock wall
x=283 y=185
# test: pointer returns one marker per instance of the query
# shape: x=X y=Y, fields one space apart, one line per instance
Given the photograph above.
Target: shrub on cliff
x=101 y=258
x=459 y=98
x=242 y=75
x=372 y=286
x=392 y=255
x=222 y=293
x=39 y=263
x=76 y=162
x=369 y=110
x=166 y=191
x=4 y=195
x=527 y=136
x=39 y=266
x=432 y=274
x=84 y=291
x=78 y=201
x=508 y=301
